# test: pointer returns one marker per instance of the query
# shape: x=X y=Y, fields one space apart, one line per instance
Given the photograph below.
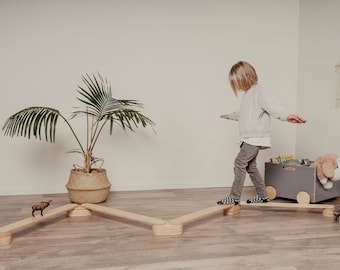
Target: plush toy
x=327 y=169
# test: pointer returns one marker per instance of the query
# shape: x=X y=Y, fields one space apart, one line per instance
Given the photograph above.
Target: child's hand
x=293 y=118
x=224 y=116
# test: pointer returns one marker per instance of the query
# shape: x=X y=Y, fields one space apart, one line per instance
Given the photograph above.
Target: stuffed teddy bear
x=327 y=169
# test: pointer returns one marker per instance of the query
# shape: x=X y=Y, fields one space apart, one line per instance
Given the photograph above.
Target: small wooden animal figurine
x=40 y=207
x=336 y=216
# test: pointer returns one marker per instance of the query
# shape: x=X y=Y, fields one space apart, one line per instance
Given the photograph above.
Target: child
x=257 y=108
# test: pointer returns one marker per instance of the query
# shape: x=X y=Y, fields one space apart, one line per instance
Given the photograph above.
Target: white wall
x=319 y=52
x=172 y=55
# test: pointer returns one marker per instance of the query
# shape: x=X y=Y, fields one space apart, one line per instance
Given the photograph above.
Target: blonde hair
x=242 y=76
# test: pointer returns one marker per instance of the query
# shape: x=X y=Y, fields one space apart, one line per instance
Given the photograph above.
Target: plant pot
x=91 y=187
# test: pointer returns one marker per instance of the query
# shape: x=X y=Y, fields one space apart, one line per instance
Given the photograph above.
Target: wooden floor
x=256 y=238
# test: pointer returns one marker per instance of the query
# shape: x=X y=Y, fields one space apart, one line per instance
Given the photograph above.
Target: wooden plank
x=32 y=220
x=123 y=214
x=199 y=214
x=6 y=231
x=288 y=205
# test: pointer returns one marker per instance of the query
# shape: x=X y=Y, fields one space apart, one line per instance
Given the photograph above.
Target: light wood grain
x=129 y=216
x=268 y=238
x=191 y=217
x=33 y=220
x=7 y=230
x=288 y=205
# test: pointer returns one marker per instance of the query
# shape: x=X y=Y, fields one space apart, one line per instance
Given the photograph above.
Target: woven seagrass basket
x=91 y=187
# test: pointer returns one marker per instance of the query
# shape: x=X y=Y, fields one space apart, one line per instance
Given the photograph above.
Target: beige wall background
x=174 y=56
x=319 y=53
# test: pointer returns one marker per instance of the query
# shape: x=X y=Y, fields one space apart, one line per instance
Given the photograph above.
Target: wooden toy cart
x=297 y=182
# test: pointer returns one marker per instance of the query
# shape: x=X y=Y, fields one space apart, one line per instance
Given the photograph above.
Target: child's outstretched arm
x=231 y=116
x=294 y=118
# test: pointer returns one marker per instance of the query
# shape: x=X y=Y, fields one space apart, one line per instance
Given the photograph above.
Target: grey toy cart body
x=297 y=182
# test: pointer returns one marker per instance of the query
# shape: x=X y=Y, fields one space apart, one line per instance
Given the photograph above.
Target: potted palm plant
x=87 y=183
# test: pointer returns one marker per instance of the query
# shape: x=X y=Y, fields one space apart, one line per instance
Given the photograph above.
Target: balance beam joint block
x=5 y=238
x=167 y=229
x=79 y=211
x=232 y=210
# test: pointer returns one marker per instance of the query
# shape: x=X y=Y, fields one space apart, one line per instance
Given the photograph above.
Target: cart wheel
x=271 y=192
x=303 y=197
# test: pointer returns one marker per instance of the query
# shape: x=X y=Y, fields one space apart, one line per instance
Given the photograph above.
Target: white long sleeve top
x=254 y=116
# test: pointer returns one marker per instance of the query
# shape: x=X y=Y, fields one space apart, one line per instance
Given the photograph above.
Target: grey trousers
x=245 y=162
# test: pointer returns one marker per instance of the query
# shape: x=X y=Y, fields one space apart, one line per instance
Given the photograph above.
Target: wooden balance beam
x=175 y=226
x=327 y=209
x=159 y=227
x=124 y=214
x=6 y=231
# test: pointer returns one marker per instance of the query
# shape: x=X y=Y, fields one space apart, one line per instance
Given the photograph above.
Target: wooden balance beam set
x=160 y=227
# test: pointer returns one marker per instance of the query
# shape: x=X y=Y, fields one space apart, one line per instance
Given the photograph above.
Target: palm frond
x=100 y=104
x=33 y=121
x=97 y=98
x=129 y=119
